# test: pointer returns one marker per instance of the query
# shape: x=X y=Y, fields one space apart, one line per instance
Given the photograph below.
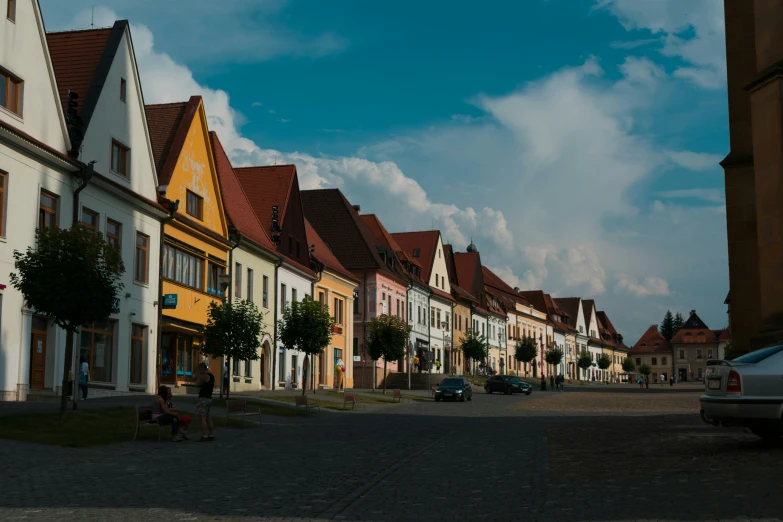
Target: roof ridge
x=266 y=166
x=70 y=31
x=166 y=104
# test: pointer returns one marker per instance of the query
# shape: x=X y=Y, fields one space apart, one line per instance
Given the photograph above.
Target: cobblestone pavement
x=480 y=460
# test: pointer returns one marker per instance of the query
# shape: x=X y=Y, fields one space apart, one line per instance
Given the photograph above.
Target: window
x=2 y=204
x=47 y=213
x=356 y=305
x=265 y=297
x=113 y=233
x=356 y=347
x=581 y=329
x=137 y=354
x=432 y=316
x=123 y=87
x=214 y=272
x=398 y=307
x=249 y=295
x=184 y=268
x=293 y=294
x=638 y=362
x=338 y=311
x=709 y=353
x=142 y=258
x=283 y=297
x=655 y=361
x=682 y=354
x=97 y=348
x=322 y=299
x=237 y=280
x=10 y=91
x=248 y=369
x=235 y=367
x=436 y=280
x=195 y=205
x=416 y=252
x=410 y=311
x=419 y=316
x=120 y=154
x=11 y=13
x=698 y=354
x=389 y=308
x=663 y=361
x=90 y=220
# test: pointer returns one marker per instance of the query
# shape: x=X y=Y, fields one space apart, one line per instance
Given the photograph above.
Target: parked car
x=746 y=391
x=455 y=388
x=508 y=384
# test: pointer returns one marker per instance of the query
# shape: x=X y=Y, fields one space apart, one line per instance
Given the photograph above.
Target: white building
x=576 y=320
x=594 y=340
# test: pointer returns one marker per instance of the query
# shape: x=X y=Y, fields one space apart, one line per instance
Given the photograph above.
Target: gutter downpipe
x=86 y=175
x=278 y=264
x=173 y=206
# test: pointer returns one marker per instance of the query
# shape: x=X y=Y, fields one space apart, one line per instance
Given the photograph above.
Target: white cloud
x=694 y=160
x=704 y=51
x=647 y=287
x=257 y=104
x=711 y=195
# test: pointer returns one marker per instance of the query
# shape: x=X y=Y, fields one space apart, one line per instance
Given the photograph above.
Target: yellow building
x=334 y=288
x=195 y=245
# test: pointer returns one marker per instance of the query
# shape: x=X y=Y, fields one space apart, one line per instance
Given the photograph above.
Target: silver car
x=747 y=391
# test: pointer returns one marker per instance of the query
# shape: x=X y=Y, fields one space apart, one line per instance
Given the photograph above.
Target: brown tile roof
x=493 y=280
x=570 y=305
x=75 y=58
x=605 y=322
x=462 y=293
x=341 y=227
x=238 y=210
x=537 y=299
x=648 y=340
x=324 y=255
x=440 y=293
x=426 y=242
x=694 y=331
x=725 y=335
x=267 y=187
x=169 y=124
x=468 y=266
x=588 y=306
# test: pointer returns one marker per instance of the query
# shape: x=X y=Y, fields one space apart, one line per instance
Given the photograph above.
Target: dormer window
x=416 y=252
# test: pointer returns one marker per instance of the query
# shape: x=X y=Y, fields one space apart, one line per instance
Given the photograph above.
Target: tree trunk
x=384 y=376
x=66 y=367
x=230 y=377
x=304 y=381
x=374 y=374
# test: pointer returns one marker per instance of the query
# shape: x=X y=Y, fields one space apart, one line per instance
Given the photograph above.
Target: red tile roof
x=462 y=293
x=468 y=266
x=75 y=58
x=238 y=209
x=267 y=187
x=570 y=305
x=324 y=254
x=694 y=331
x=725 y=335
x=588 y=306
x=537 y=299
x=426 y=242
x=647 y=342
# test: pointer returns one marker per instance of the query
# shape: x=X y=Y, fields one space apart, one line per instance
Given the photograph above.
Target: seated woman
x=184 y=420
x=164 y=414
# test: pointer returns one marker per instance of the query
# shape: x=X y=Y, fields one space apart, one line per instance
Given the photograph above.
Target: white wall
x=293 y=281
x=418 y=298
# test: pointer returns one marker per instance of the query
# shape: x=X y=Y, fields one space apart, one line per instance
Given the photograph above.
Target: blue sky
x=576 y=141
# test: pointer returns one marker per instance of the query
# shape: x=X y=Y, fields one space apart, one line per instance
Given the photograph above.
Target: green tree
x=584 y=361
x=306 y=327
x=233 y=331
x=678 y=322
x=604 y=361
x=72 y=277
x=387 y=339
x=474 y=346
x=730 y=353
x=553 y=356
x=526 y=350
x=667 y=326
x=645 y=369
x=628 y=365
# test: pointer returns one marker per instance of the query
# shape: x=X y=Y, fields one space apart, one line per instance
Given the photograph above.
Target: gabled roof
x=588 y=306
x=647 y=342
x=169 y=124
x=425 y=242
x=537 y=299
x=461 y=293
x=570 y=305
x=238 y=210
x=81 y=61
x=606 y=323
x=448 y=253
x=267 y=187
x=323 y=254
x=469 y=275
x=725 y=335
x=501 y=288
x=341 y=227
x=694 y=331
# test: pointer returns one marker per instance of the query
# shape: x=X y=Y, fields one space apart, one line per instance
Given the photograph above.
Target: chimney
x=516 y=289
x=693 y=312
x=357 y=208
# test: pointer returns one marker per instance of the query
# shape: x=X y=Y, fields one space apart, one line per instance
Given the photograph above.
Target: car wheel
x=507 y=391
x=489 y=390
x=462 y=399
x=528 y=392
x=437 y=399
x=470 y=398
x=767 y=432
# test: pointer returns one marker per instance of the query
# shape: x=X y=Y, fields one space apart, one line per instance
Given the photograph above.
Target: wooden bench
x=235 y=408
x=397 y=397
x=301 y=402
x=144 y=418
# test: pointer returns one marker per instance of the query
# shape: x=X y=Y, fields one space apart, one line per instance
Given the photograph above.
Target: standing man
x=206 y=385
x=225 y=378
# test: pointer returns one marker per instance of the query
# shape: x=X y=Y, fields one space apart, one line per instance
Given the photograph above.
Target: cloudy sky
x=576 y=141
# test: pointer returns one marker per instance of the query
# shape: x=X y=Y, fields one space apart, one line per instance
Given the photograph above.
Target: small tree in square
x=306 y=326
x=474 y=347
x=553 y=356
x=645 y=369
x=604 y=361
x=628 y=365
x=584 y=361
x=233 y=331
x=525 y=350
x=72 y=277
x=387 y=339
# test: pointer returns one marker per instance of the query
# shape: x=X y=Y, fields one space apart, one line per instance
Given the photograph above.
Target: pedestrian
x=552 y=382
x=662 y=379
x=165 y=415
x=84 y=377
x=647 y=382
x=671 y=381
x=184 y=420
x=206 y=385
x=225 y=378
x=543 y=383
x=639 y=380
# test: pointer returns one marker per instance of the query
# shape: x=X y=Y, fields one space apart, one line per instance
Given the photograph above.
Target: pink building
x=372 y=261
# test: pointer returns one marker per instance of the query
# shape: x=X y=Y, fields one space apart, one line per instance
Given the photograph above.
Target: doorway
x=38 y=354
x=683 y=375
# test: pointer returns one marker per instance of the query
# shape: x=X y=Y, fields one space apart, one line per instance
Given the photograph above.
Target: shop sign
x=169 y=301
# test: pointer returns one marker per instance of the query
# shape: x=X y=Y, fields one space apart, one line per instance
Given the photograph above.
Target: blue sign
x=169 y=301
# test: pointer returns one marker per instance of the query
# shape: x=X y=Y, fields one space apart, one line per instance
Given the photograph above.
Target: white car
x=747 y=391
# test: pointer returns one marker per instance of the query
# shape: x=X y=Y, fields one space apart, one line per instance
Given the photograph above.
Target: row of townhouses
x=78 y=145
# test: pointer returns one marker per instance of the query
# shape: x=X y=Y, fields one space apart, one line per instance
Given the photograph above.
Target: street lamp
x=541 y=363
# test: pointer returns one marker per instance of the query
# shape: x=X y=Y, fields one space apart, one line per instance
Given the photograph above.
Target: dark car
x=508 y=384
x=455 y=388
